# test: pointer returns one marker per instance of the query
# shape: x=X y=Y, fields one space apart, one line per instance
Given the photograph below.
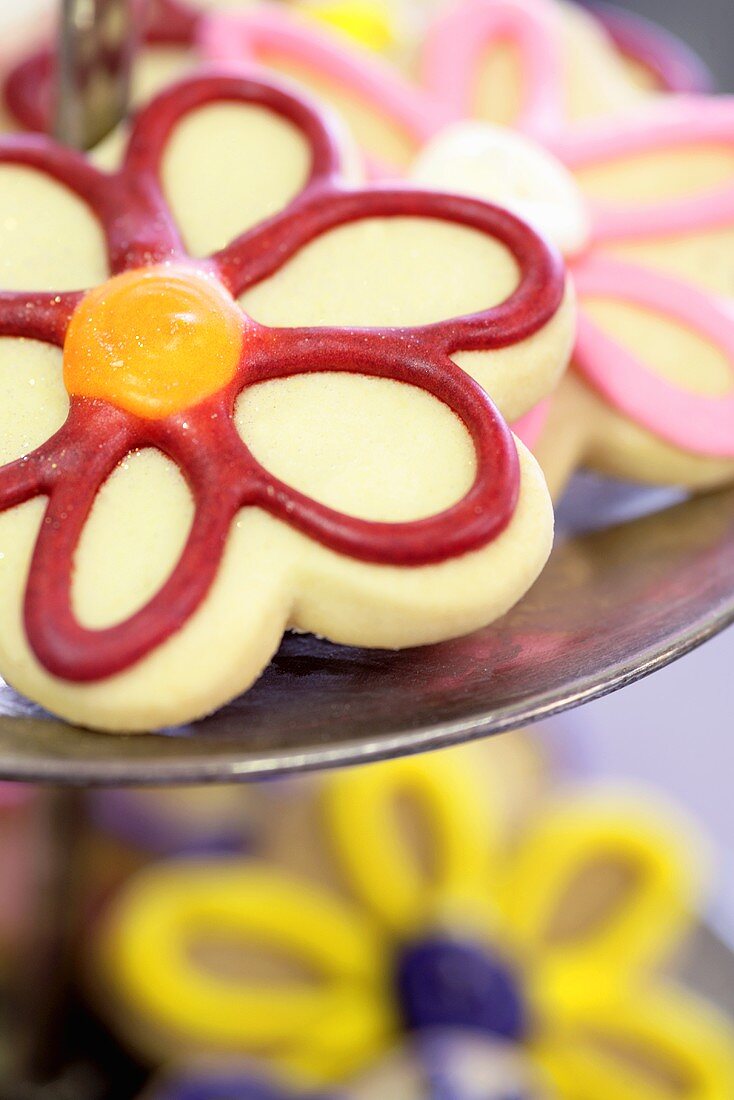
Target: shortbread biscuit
x=236 y=434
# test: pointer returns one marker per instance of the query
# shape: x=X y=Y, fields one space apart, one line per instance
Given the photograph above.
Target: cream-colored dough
x=705 y=258
x=641 y=76
x=255 y=164
x=340 y=280
x=270 y=578
x=131 y=537
x=32 y=255
x=671 y=350
x=380 y=136
x=646 y=177
x=518 y=377
x=364 y=446
x=498 y=92
x=597 y=77
x=33 y=401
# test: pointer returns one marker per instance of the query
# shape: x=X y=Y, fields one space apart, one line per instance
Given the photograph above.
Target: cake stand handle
x=97 y=42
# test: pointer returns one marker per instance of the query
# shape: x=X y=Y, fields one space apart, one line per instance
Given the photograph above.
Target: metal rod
x=52 y=942
x=97 y=42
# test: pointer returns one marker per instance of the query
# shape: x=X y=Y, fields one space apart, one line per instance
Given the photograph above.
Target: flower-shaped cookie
x=428 y=919
x=648 y=231
x=343 y=472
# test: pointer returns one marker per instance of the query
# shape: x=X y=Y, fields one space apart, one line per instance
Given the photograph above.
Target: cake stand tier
x=620 y=598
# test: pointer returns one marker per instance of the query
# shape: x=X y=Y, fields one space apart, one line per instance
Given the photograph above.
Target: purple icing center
x=442 y=983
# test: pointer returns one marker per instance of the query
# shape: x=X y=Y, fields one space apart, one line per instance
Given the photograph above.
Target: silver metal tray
x=627 y=590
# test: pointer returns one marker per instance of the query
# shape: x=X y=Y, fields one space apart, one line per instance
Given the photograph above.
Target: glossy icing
x=154 y=342
x=222 y=474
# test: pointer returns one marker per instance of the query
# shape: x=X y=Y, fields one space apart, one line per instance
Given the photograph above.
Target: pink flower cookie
x=652 y=397
x=265 y=415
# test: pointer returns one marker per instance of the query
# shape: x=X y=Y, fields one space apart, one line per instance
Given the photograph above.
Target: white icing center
x=503 y=167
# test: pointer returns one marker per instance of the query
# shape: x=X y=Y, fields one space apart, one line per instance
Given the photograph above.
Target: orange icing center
x=154 y=341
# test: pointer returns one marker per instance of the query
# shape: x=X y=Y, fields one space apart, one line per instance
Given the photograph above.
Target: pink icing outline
x=455 y=45
x=692 y=421
x=673 y=123
x=237 y=37
x=459 y=39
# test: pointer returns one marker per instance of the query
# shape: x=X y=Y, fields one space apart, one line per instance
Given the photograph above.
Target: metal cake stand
x=634 y=582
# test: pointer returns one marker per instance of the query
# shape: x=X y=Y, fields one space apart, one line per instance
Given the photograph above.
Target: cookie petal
x=51 y=238
x=524 y=63
x=654 y=1043
x=217 y=652
x=667 y=170
x=465 y=277
x=324 y=1015
x=410 y=870
x=33 y=401
x=263 y=147
x=660 y=351
x=359 y=603
x=388 y=115
x=601 y=888
x=383 y=568
x=501 y=62
x=380 y=505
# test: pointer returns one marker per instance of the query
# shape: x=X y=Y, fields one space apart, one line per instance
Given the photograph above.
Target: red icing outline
x=221 y=472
